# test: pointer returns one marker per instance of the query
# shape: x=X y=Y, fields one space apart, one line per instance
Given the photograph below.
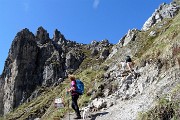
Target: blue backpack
x=80 y=87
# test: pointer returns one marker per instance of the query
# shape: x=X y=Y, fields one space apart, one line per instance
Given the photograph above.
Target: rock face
x=164 y=11
x=102 y=48
x=19 y=70
x=1 y=95
x=42 y=36
x=130 y=36
x=36 y=60
x=74 y=59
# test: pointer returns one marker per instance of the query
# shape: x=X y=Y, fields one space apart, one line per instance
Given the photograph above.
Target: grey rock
x=94 y=52
x=130 y=36
x=74 y=59
x=99 y=103
x=1 y=95
x=94 y=43
x=19 y=70
x=58 y=37
x=152 y=34
x=164 y=11
x=42 y=36
x=105 y=53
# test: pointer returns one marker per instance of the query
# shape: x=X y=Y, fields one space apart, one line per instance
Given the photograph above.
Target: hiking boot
x=78 y=117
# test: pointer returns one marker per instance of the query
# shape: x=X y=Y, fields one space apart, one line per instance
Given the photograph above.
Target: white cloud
x=96 y=4
x=26 y=6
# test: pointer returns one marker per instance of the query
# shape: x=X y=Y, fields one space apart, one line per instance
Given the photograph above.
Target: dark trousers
x=74 y=104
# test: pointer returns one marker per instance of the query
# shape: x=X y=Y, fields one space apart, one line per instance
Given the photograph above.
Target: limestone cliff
x=36 y=60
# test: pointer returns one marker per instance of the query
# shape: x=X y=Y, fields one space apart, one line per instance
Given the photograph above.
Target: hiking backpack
x=128 y=59
x=80 y=87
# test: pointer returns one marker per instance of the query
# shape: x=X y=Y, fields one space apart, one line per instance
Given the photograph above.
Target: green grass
x=90 y=77
x=36 y=106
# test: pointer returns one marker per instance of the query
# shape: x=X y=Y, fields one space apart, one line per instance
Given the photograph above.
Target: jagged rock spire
x=24 y=34
x=58 y=37
x=42 y=36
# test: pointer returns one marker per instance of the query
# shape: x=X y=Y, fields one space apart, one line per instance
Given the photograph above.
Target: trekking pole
x=68 y=109
x=67 y=94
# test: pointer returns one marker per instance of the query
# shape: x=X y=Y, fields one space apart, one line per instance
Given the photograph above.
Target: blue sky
x=79 y=20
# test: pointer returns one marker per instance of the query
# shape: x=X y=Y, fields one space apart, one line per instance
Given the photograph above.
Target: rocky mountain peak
x=56 y=35
x=42 y=36
x=163 y=11
x=25 y=34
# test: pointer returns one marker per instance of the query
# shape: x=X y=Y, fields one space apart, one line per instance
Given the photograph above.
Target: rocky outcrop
x=42 y=36
x=102 y=48
x=1 y=95
x=73 y=59
x=130 y=36
x=99 y=45
x=37 y=60
x=105 y=53
x=164 y=11
x=19 y=70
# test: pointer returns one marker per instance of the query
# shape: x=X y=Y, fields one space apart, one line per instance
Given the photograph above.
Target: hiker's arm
x=73 y=86
x=71 y=89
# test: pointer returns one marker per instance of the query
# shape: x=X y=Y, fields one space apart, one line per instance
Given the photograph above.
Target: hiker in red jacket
x=74 y=96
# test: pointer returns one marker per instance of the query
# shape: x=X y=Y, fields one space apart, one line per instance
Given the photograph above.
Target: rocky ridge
x=164 y=11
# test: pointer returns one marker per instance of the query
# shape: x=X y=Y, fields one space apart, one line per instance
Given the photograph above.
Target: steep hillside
x=36 y=71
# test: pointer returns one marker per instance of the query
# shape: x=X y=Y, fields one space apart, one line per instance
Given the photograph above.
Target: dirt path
x=123 y=110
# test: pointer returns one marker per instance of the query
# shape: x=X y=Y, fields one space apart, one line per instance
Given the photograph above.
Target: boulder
x=105 y=53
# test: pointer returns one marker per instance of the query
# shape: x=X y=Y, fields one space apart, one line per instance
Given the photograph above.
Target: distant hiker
x=129 y=63
x=74 y=96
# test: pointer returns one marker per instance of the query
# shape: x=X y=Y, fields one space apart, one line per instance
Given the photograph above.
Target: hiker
x=129 y=63
x=74 y=96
